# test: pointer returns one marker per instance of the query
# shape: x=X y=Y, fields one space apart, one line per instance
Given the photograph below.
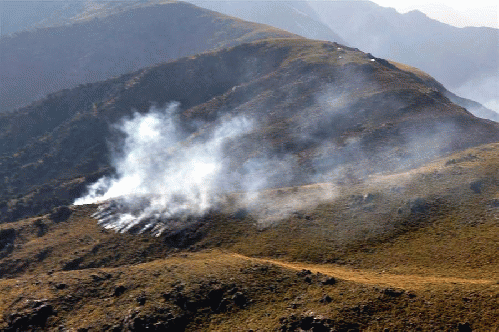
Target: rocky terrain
x=268 y=183
x=410 y=251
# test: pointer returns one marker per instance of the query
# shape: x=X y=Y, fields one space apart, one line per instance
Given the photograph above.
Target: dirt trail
x=372 y=277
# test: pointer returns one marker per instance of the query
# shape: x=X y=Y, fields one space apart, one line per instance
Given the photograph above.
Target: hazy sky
x=458 y=13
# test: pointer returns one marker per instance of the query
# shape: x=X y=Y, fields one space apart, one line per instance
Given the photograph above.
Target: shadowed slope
x=473 y=107
x=332 y=110
x=35 y=63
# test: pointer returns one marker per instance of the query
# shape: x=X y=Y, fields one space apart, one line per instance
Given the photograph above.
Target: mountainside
x=293 y=16
x=264 y=184
x=290 y=112
x=35 y=63
x=454 y=56
x=473 y=107
x=16 y=16
x=409 y=251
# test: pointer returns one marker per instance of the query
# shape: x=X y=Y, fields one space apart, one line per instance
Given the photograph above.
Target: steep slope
x=454 y=56
x=472 y=106
x=35 y=63
x=318 y=112
x=293 y=16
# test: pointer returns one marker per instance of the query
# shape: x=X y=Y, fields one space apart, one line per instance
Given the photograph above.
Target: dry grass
x=442 y=257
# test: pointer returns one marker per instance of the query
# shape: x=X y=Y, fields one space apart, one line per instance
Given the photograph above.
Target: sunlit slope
x=440 y=219
x=111 y=42
x=408 y=250
x=334 y=111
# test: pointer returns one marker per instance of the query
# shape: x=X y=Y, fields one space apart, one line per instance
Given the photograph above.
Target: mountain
x=454 y=56
x=409 y=251
x=35 y=63
x=473 y=107
x=17 y=16
x=294 y=16
x=281 y=184
x=304 y=111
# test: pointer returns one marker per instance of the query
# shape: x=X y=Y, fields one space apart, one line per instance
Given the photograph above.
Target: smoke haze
x=158 y=175
x=167 y=178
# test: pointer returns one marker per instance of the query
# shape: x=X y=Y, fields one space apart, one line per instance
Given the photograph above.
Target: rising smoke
x=166 y=178
x=161 y=177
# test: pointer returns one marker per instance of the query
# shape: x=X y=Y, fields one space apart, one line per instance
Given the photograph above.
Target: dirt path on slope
x=372 y=277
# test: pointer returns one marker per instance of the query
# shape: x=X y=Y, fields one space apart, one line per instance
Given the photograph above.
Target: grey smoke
x=484 y=90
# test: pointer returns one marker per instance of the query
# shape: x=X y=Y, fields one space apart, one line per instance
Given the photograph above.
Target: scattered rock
x=240 y=299
x=464 y=327
x=306 y=323
x=477 y=186
x=393 y=292
x=141 y=299
x=494 y=202
x=60 y=286
x=30 y=319
x=119 y=290
x=326 y=299
x=304 y=273
x=328 y=281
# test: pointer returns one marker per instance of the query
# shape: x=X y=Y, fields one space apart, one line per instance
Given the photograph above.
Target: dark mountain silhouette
x=330 y=108
x=35 y=63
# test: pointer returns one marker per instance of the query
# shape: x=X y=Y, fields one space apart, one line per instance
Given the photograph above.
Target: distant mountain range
x=35 y=63
x=293 y=16
x=465 y=61
x=454 y=56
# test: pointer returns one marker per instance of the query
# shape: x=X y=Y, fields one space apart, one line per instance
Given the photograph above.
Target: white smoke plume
x=167 y=179
x=160 y=177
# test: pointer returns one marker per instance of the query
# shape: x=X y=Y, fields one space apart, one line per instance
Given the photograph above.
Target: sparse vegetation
x=384 y=218
x=426 y=268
